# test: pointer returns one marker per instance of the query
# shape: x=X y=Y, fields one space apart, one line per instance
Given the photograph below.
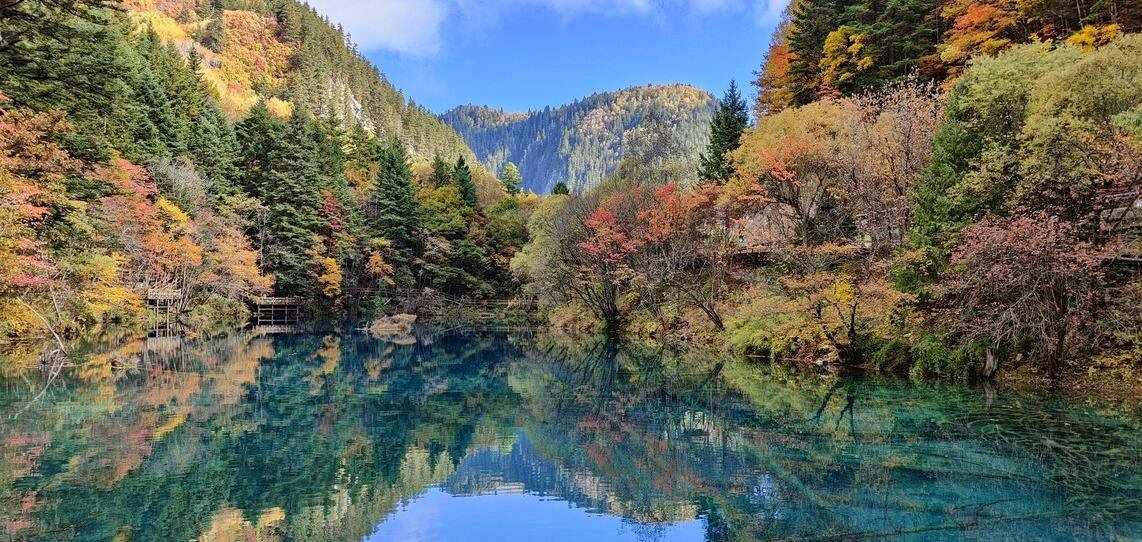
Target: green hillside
x=582 y=142
x=286 y=52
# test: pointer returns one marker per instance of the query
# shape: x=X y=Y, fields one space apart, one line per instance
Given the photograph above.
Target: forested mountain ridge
x=216 y=156
x=582 y=142
x=288 y=54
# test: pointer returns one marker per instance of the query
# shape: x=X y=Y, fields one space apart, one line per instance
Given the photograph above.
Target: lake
x=460 y=435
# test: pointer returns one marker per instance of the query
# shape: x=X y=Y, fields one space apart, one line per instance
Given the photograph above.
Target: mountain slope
x=582 y=142
x=289 y=54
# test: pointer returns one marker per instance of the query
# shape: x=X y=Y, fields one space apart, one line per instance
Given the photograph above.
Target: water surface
x=508 y=436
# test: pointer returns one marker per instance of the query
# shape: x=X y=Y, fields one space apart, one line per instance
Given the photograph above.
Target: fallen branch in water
x=47 y=324
x=57 y=360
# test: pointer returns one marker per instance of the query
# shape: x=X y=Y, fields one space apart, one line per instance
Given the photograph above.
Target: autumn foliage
x=1024 y=283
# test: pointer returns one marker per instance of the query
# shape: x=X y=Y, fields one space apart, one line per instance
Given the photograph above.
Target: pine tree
x=812 y=24
x=392 y=209
x=153 y=127
x=441 y=172
x=730 y=120
x=215 y=149
x=188 y=94
x=331 y=139
x=560 y=189
x=78 y=62
x=293 y=196
x=342 y=212
x=464 y=183
x=259 y=134
x=511 y=178
x=213 y=36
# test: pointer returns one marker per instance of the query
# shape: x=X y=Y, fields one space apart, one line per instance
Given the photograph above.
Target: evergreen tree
x=153 y=127
x=441 y=172
x=331 y=140
x=293 y=197
x=215 y=149
x=342 y=212
x=188 y=94
x=730 y=120
x=560 y=189
x=161 y=68
x=905 y=35
x=392 y=209
x=76 y=61
x=812 y=24
x=511 y=178
x=464 y=183
x=259 y=134
x=213 y=36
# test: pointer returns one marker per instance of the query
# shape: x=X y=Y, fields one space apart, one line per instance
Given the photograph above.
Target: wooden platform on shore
x=277 y=311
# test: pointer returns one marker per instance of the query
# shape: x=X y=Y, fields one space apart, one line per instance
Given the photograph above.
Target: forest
x=940 y=188
x=889 y=288
x=134 y=160
x=935 y=187
x=581 y=143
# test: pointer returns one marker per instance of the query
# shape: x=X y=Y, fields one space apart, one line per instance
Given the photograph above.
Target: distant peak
x=681 y=91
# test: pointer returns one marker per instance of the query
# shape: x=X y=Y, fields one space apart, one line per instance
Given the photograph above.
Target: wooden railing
x=164 y=294
x=275 y=311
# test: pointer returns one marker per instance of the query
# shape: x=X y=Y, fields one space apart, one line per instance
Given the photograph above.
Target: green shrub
x=931 y=355
x=215 y=313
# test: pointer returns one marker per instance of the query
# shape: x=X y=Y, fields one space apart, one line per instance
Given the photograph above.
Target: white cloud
x=404 y=26
x=704 y=7
x=769 y=11
x=414 y=27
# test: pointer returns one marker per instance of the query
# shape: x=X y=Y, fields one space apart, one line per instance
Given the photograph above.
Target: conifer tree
x=464 y=183
x=78 y=62
x=331 y=139
x=511 y=178
x=213 y=37
x=215 y=149
x=293 y=196
x=730 y=120
x=259 y=135
x=341 y=209
x=153 y=126
x=392 y=209
x=815 y=19
x=188 y=94
x=560 y=189
x=441 y=172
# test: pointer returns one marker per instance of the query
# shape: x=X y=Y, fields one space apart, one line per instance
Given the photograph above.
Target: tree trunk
x=990 y=364
x=1056 y=354
x=714 y=317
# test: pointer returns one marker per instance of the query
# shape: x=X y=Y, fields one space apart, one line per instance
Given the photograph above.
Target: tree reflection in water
x=311 y=437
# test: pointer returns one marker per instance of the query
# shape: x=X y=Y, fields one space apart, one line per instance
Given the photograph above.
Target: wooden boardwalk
x=278 y=311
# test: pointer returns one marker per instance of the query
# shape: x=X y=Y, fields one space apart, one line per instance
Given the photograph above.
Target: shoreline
x=1119 y=389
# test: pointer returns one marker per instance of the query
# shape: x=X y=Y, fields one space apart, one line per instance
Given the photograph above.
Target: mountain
x=582 y=142
x=208 y=153
x=287 y=53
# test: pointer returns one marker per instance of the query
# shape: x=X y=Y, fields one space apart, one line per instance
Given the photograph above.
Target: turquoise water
x=512 y=436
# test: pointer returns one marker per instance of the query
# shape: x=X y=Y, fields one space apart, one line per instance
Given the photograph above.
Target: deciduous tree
x=1025 y=283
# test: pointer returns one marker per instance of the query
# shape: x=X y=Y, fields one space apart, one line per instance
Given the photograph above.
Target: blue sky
x=526 y=54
